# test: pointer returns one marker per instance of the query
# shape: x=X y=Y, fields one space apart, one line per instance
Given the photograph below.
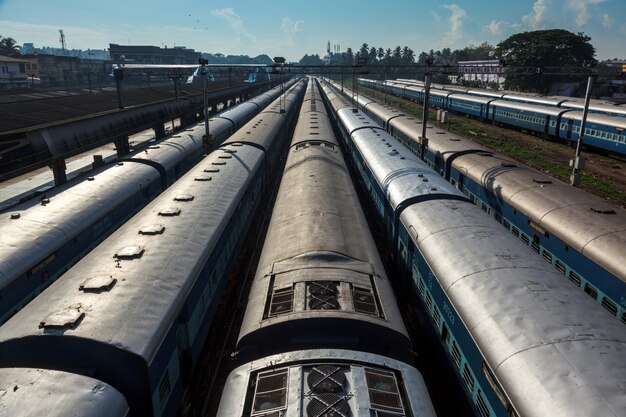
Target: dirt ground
x=611 y=168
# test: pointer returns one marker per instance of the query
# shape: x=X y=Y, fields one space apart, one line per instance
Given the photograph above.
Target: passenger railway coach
x=134 y=313
x=581 y=235
x=522 y=340
x=603 y=131
x=322 y=333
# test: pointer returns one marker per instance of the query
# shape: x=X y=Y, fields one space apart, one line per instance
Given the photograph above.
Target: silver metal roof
x=139 y=309
x=41 y=392
x=399 y=172
x=416 y=399
x=575 y=217
x=545 y=109
x=554 y=350
x=42 y=229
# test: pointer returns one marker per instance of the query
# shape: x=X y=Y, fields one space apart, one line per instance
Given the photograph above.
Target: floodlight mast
x=204 y=73
x=280 y=61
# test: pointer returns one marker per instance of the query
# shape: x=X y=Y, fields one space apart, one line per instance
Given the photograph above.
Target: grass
x=506 y=145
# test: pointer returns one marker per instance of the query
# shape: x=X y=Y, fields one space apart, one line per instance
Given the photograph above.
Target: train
x=521 y=340
x=42 y=238
x=573 y=103
x=322 y=333
x=602 y=131
x=133 y=314
x=580 y=235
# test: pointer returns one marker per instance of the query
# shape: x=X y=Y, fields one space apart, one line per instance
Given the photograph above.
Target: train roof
x=70 y=208
x=553 y=349
x=144 y=288
x=525 y=107
x=42 y=392
x=405 y=386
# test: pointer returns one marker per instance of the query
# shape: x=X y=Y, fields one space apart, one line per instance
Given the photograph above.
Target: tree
x=8 y=47
x=311 y=60
x=408 y=56
x=364 y=51
x=541 y=49
x=397 y=55
x=380 y=54
x=349 y=57
x=371 y=59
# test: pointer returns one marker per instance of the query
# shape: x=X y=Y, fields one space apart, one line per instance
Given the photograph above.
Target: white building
x=13 y=72
x=485 y=72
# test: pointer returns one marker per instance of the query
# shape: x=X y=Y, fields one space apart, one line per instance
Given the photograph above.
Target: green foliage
x=541 y=49
x=313 y=59
x=8 y=47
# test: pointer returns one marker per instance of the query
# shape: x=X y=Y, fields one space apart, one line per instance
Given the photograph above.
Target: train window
x=546 y=255
x=436 y=317
x=456 y=355
x=270 y=393
x=574 y=277
x=43 y=264
x=624 y=317
x=468 y=378
x=420 y=286
x=363 y=300
x=506 y=223
x=164 y=389
x=609 y=305
x=535 y=244
x=281 y=301
x=515 y=231
x=593 y=293
x=560 y=266
x=525 y=238
x=481 y=405
x=429 y=301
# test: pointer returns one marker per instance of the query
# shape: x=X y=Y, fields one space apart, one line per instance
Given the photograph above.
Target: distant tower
x=62 y=38
x=328 y=47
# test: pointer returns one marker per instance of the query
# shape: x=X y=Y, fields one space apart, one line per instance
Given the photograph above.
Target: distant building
x=179 y=55
x=483 y=72
x=29 y=48
x=66 y=71
x=13 y=72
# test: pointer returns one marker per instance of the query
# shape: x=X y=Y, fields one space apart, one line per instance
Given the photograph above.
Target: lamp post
x=280 y=61
x=118 y=74
x=204 y=73
x=355 y=85
x=578 y=163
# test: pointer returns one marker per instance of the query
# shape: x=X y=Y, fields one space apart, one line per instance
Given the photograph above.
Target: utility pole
x=578 y=163
x=423 y=140
x=118 y=74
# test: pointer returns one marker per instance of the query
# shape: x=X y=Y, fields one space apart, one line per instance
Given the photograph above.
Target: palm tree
x=9 y=47
x=380 y=54
x=408 y=56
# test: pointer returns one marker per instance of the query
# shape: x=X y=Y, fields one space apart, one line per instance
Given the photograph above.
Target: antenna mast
x=62 y=38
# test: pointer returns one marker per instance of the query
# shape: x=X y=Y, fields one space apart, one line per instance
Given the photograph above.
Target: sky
x=293 y=28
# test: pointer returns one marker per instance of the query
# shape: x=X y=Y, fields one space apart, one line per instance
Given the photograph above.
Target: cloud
x=496 y=28
x=234 y=21
x=607 y=21
x=581 y=7
x=290 y=28
x=455 y=23
x=534 y=19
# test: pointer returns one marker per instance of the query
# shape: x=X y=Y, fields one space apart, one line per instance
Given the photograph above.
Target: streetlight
x=279 y=60
x=204 y=73
x=118 y=74
x=355 y=86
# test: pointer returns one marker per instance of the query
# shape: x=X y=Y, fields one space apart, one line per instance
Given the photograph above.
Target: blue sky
x=293 y=28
